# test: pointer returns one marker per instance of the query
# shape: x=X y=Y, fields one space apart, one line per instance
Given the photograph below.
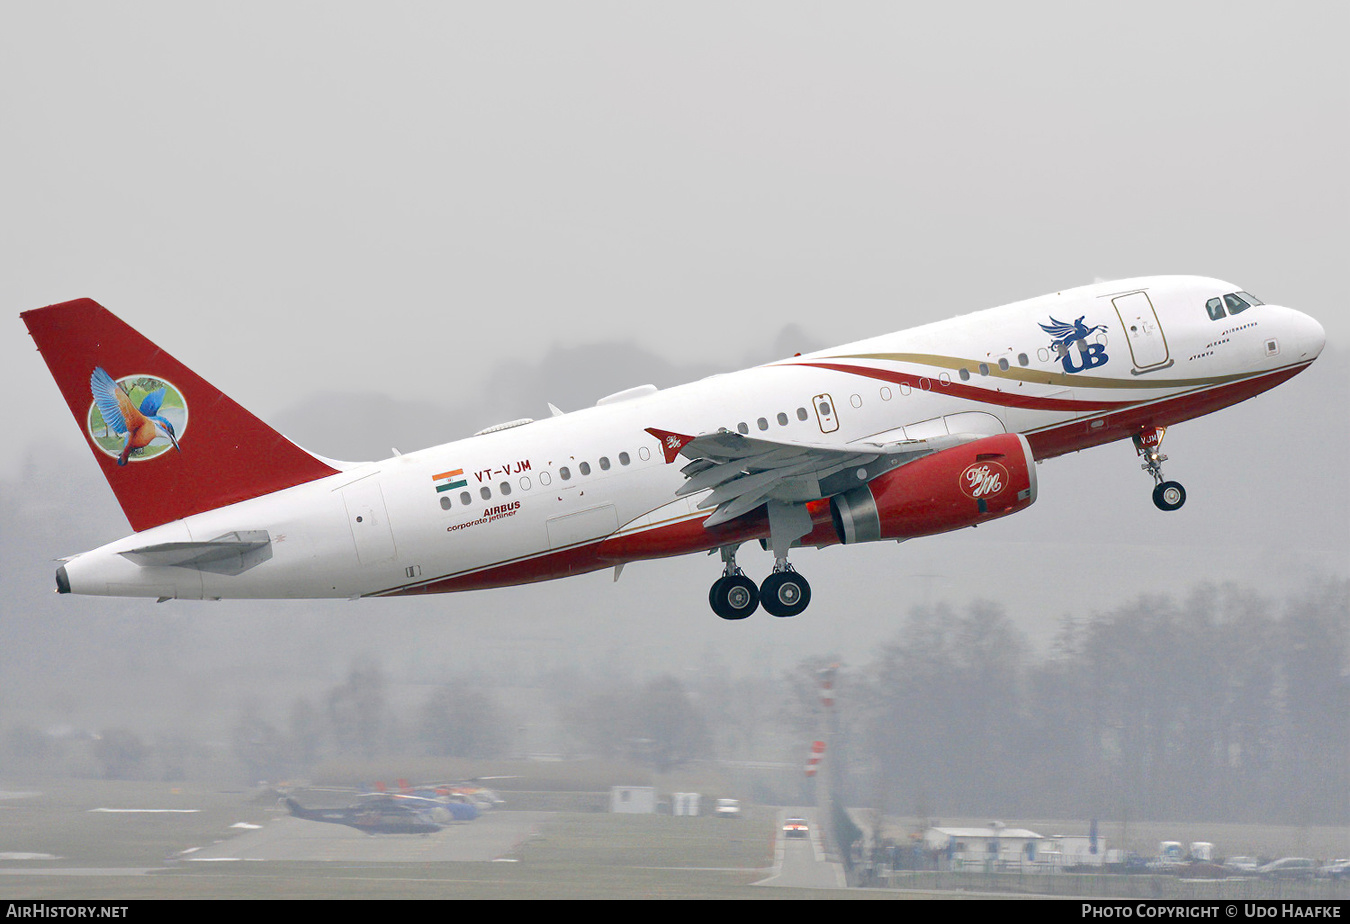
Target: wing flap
x=760 y=483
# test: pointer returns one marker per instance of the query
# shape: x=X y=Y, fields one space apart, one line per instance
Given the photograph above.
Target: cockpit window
x=1235 y=304
x=1215 y=308
x=1250 y=299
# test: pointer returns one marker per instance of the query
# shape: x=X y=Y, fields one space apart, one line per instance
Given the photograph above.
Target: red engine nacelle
x=962 y=486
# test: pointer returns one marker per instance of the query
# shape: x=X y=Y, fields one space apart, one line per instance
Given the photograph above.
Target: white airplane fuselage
x=593 y=488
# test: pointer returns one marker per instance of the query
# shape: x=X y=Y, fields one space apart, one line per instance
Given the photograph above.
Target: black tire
x=1169 y=496
x=734 y=597
x=784 y=593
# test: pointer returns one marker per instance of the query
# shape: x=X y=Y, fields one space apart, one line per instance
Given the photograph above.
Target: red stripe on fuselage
x=970 y=392
x=681 y=537
x=1081 y=434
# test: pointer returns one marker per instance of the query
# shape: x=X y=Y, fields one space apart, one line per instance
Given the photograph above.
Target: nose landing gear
x=1167 y=495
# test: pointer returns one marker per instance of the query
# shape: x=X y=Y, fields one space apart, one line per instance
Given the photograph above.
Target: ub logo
x=1065 y=336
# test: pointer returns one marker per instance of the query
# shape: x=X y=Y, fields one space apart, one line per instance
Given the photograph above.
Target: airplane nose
x=1309 y=336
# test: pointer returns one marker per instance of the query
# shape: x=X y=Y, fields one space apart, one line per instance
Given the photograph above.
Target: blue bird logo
x=130 y=429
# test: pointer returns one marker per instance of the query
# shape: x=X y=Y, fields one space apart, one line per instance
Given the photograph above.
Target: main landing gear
x=1167 y=495
x=734 y=596
x=785 y=592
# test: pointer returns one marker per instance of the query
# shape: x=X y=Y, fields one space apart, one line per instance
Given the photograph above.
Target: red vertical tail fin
x=168 y=442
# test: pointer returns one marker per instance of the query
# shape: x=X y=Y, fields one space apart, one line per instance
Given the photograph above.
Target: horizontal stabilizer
x=232 y=553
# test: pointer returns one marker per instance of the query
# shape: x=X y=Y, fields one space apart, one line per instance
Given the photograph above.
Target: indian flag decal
x=452 y=480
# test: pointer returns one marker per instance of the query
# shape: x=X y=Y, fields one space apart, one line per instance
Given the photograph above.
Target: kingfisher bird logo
x=136 y=417
x=1064 y=337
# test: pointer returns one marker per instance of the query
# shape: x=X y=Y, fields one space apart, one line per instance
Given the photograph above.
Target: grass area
x=576 y=855
x=581 y=855
x=742 y=846
x=407 y=881
x=65 y=821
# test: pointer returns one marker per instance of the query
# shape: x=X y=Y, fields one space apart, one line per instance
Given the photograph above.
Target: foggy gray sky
x=433 y=202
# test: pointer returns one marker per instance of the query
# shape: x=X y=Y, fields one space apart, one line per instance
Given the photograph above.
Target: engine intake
x=962 y=486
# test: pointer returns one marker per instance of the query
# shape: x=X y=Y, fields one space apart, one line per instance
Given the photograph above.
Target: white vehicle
x=904 y=435
x=1201 y=851
x=728 y=808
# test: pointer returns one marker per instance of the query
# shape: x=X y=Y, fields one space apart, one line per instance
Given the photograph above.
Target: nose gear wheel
x=1169 y=495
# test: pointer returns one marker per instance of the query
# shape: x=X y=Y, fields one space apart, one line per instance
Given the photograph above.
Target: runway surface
x=492 y=836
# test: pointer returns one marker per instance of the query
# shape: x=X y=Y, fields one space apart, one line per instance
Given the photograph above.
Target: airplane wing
x=742 y=472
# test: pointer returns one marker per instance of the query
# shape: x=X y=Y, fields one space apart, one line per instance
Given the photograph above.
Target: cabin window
x=824 y=409
x=644 y=453
x=465 y=498
x=801 y=413
x=1023 y=360
x=504 y=488
x=524 y=482
x=762 y=424
x=782 y=419
x=623 y=458
x=445 y=502
x=565 y=473
x=1235 y=304
x=545 y=479
x=984 y=368
x=743 y=428
x=856 y=400
x=604 y=463
x=1215 y=308
x=584 y=468
x=965 y=375
x=485 y=493
x=1003 y=364
x=885 y=393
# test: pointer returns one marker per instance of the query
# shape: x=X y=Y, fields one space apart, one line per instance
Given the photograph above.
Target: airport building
x=996 y=846
x=633 y=800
